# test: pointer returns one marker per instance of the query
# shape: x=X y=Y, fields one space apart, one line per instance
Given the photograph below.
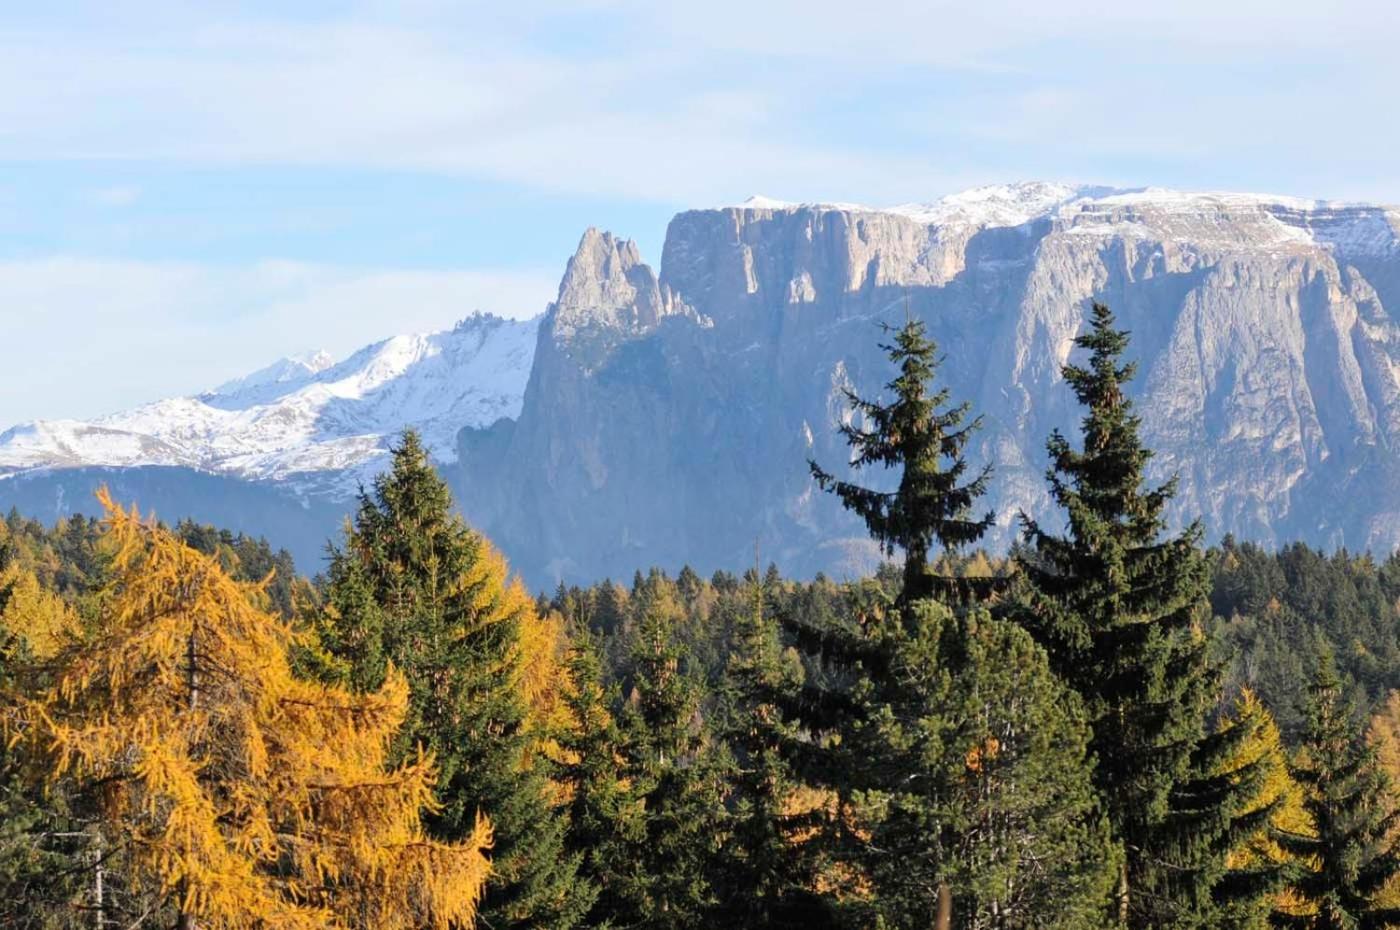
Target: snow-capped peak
x=291 y=369
x=760 y=202
x=307 y=419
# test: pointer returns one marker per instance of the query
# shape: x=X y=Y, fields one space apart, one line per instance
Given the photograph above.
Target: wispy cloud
x=120 y=196
x=680 y=102
x=627 y=107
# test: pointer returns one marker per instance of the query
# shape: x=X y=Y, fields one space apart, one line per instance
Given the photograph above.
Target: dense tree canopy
x=224 y=788
x=1111 y=727
x=416 y=590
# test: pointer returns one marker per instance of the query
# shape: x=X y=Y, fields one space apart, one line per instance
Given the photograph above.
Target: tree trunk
x=186 y=919
x=98 y=893
x=944 y=918
x=1123 y=895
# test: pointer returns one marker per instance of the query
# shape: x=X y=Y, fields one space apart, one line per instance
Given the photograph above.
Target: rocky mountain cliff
x=667 y=417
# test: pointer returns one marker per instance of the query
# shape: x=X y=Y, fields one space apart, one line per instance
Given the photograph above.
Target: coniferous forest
x=1110 y=726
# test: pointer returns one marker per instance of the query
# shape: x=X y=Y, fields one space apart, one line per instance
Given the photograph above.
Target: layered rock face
x=668 y=418
x=663 y=419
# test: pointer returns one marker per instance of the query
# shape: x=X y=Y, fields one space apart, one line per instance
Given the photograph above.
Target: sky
x=190 y=191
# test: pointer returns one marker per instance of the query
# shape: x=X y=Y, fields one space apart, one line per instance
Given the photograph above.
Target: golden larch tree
x=1278 y=801
x=241 y=795
x=33 y=616
x=1383 y=733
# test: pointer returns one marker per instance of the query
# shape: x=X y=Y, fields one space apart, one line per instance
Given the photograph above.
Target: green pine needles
x=1344 y=865
x=1118 y=606
x=961 y=762
x=415 y=587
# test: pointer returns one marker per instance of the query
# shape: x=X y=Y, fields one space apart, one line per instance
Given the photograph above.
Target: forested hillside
x=1113 y=726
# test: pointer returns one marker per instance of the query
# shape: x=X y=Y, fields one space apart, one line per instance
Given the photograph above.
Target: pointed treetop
x=919 y=433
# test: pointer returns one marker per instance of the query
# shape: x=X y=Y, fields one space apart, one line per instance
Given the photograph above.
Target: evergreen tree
x=606 y=810
x=1351 y=853
x=680 y=775
x=770 y=876
x=960 y=754
x=1117 y=607
x=981 y=782
x=415 y=587
x=918 y=433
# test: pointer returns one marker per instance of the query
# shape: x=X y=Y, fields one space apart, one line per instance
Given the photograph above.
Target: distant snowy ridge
x=306 y=421
x=1262 y=220
x=991 y=206
x=279 y=377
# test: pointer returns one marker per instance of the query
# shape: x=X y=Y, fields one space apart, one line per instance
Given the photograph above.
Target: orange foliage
x=250 y=798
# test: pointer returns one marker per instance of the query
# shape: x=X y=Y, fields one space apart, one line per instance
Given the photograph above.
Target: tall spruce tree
x=961 y=756
x=1117 y=604
x=1352 y=853
x=770 y=875
x=919 y=434
x=415 y=587
x=606 y=808
x=680 y=773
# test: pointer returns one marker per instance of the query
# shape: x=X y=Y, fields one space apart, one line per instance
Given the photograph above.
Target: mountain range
x=666 y=416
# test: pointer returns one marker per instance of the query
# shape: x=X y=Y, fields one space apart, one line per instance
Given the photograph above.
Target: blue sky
x=188 y=191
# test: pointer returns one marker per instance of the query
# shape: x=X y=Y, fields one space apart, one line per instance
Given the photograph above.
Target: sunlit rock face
x=669 y=417
x=662 y=418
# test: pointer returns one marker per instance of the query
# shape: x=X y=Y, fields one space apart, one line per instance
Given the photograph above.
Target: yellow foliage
x=40 y=619
x=541 y=652
x=252 y=798
x=1265 y=747
x=842 y=879
x=547 y=686
x=987 y=750
x=1383 y=733
x=545 y=679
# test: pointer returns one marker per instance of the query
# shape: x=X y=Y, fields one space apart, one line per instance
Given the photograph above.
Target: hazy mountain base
x=303 y=526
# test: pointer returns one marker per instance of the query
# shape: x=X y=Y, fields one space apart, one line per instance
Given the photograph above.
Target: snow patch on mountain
x=760 y=202
x=277 y=378
x=994 y=205
x=306 y=421
x=998 y=205
x=1206 y=218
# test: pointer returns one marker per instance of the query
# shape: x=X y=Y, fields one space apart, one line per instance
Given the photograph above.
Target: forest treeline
x=1112 y=726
